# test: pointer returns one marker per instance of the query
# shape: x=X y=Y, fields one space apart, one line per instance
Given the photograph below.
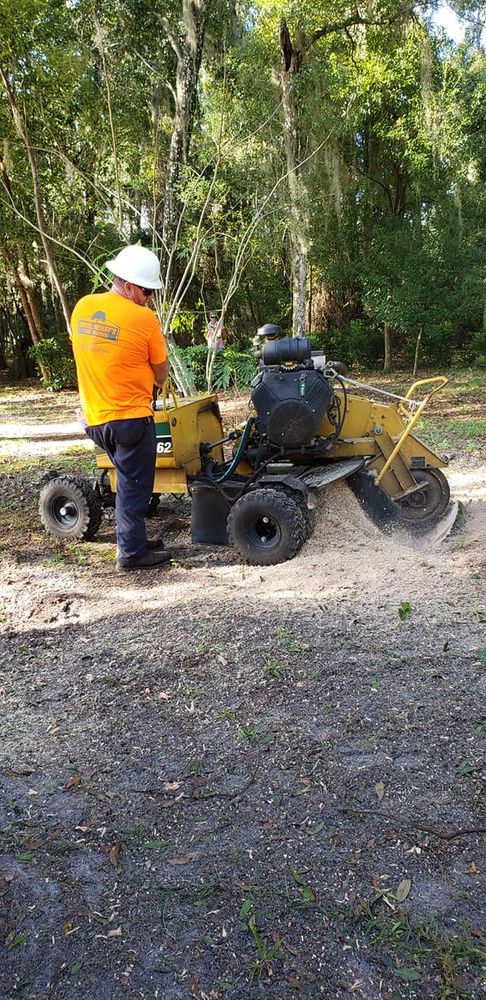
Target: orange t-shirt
x=115 y=342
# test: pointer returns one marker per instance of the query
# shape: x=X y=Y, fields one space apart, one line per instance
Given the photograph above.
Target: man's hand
x=160 y=373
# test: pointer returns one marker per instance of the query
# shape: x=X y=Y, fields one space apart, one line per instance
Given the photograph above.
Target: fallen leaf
x=380 y=789
x=294 y=983
x=164 y=696
x=409 y=974
x=222 y=660
x=74 y=780
x=170 y=786
x=114 y=853
x=184 y=859
x=403 y=889
x=115 y=933
x=193 y=986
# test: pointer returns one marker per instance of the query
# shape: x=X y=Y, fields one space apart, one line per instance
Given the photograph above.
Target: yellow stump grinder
x=254 y=488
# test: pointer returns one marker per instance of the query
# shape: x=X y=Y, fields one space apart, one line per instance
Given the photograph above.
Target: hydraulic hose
x=237 y=456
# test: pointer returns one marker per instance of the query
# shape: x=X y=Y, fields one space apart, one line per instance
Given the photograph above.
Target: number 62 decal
x=164 y=445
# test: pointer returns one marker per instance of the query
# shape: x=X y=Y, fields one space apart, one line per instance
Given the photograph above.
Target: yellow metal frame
x=413 y=420
x=373 y=428
x=191 y=420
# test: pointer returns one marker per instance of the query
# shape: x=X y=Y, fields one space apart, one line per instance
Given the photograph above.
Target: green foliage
x=405 y=611
x=232 y=368
x=390 y=120
x=475 y=351
x=55 y=362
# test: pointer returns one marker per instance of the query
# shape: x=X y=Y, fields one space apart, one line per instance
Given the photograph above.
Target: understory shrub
x=476 y=349
x=55 y=363
x=360 y=343
x=231 y=368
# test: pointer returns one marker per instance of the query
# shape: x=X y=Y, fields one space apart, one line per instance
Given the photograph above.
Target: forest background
x=320 y=165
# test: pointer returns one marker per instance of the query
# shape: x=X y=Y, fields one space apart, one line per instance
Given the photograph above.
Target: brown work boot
x=148 y=561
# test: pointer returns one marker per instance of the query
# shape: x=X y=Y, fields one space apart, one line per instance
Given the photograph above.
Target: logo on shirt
x=98 y=326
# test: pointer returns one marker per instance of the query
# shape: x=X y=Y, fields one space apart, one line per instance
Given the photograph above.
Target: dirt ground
x=233 y=781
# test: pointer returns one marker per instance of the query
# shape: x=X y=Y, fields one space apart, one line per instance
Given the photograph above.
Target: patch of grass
x=157 y=845
x=253 y=734
x=416 y=952
x=455 y=418
x=205 y=891
x=18 y=941
x=272 y=669
x=266 y=952
x=444 y=434
x=192 y=691
x=287 y=641
x=194 y=766
x=78 y=459
x=225 y=715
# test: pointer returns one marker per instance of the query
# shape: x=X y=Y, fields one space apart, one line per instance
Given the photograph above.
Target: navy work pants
x=131 y=446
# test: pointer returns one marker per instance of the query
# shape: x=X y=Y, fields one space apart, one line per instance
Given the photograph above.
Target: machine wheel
x=153 y=505
x=426 y=506
x=69 y=508
x=299 y=499
x=108 y=498
x=266 y=527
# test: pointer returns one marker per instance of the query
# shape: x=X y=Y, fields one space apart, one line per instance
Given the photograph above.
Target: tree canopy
x=304 y=163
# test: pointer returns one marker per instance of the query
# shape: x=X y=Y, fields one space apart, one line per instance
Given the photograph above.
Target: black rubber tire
x=426 y=507
x=70 y=508
x=266 y=527
x=153 y=505
x=298 y=498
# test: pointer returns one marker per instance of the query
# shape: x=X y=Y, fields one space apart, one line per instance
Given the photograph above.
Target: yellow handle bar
x=427 y=381
x=439 y=381
x=168 y=387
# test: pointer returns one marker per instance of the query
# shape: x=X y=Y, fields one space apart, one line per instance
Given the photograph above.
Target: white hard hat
x=138 y=265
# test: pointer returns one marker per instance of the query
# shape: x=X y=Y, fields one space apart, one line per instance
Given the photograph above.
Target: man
x=120 y=352
x=214 y=333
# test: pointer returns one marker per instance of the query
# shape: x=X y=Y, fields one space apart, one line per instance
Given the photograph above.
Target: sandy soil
x=223 y=780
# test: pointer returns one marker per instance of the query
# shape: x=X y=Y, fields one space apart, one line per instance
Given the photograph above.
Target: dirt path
x=218 y=779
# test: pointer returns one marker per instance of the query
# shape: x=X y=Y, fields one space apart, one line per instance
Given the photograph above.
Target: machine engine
x=289 y=394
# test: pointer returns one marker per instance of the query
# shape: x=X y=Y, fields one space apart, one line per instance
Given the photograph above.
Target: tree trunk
x=290 y=63
x=387 y=338
x=417 y=351
x=37 y=331
x=20 y=274
x=189 y=54
x=21 y=130
x=31 y=314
